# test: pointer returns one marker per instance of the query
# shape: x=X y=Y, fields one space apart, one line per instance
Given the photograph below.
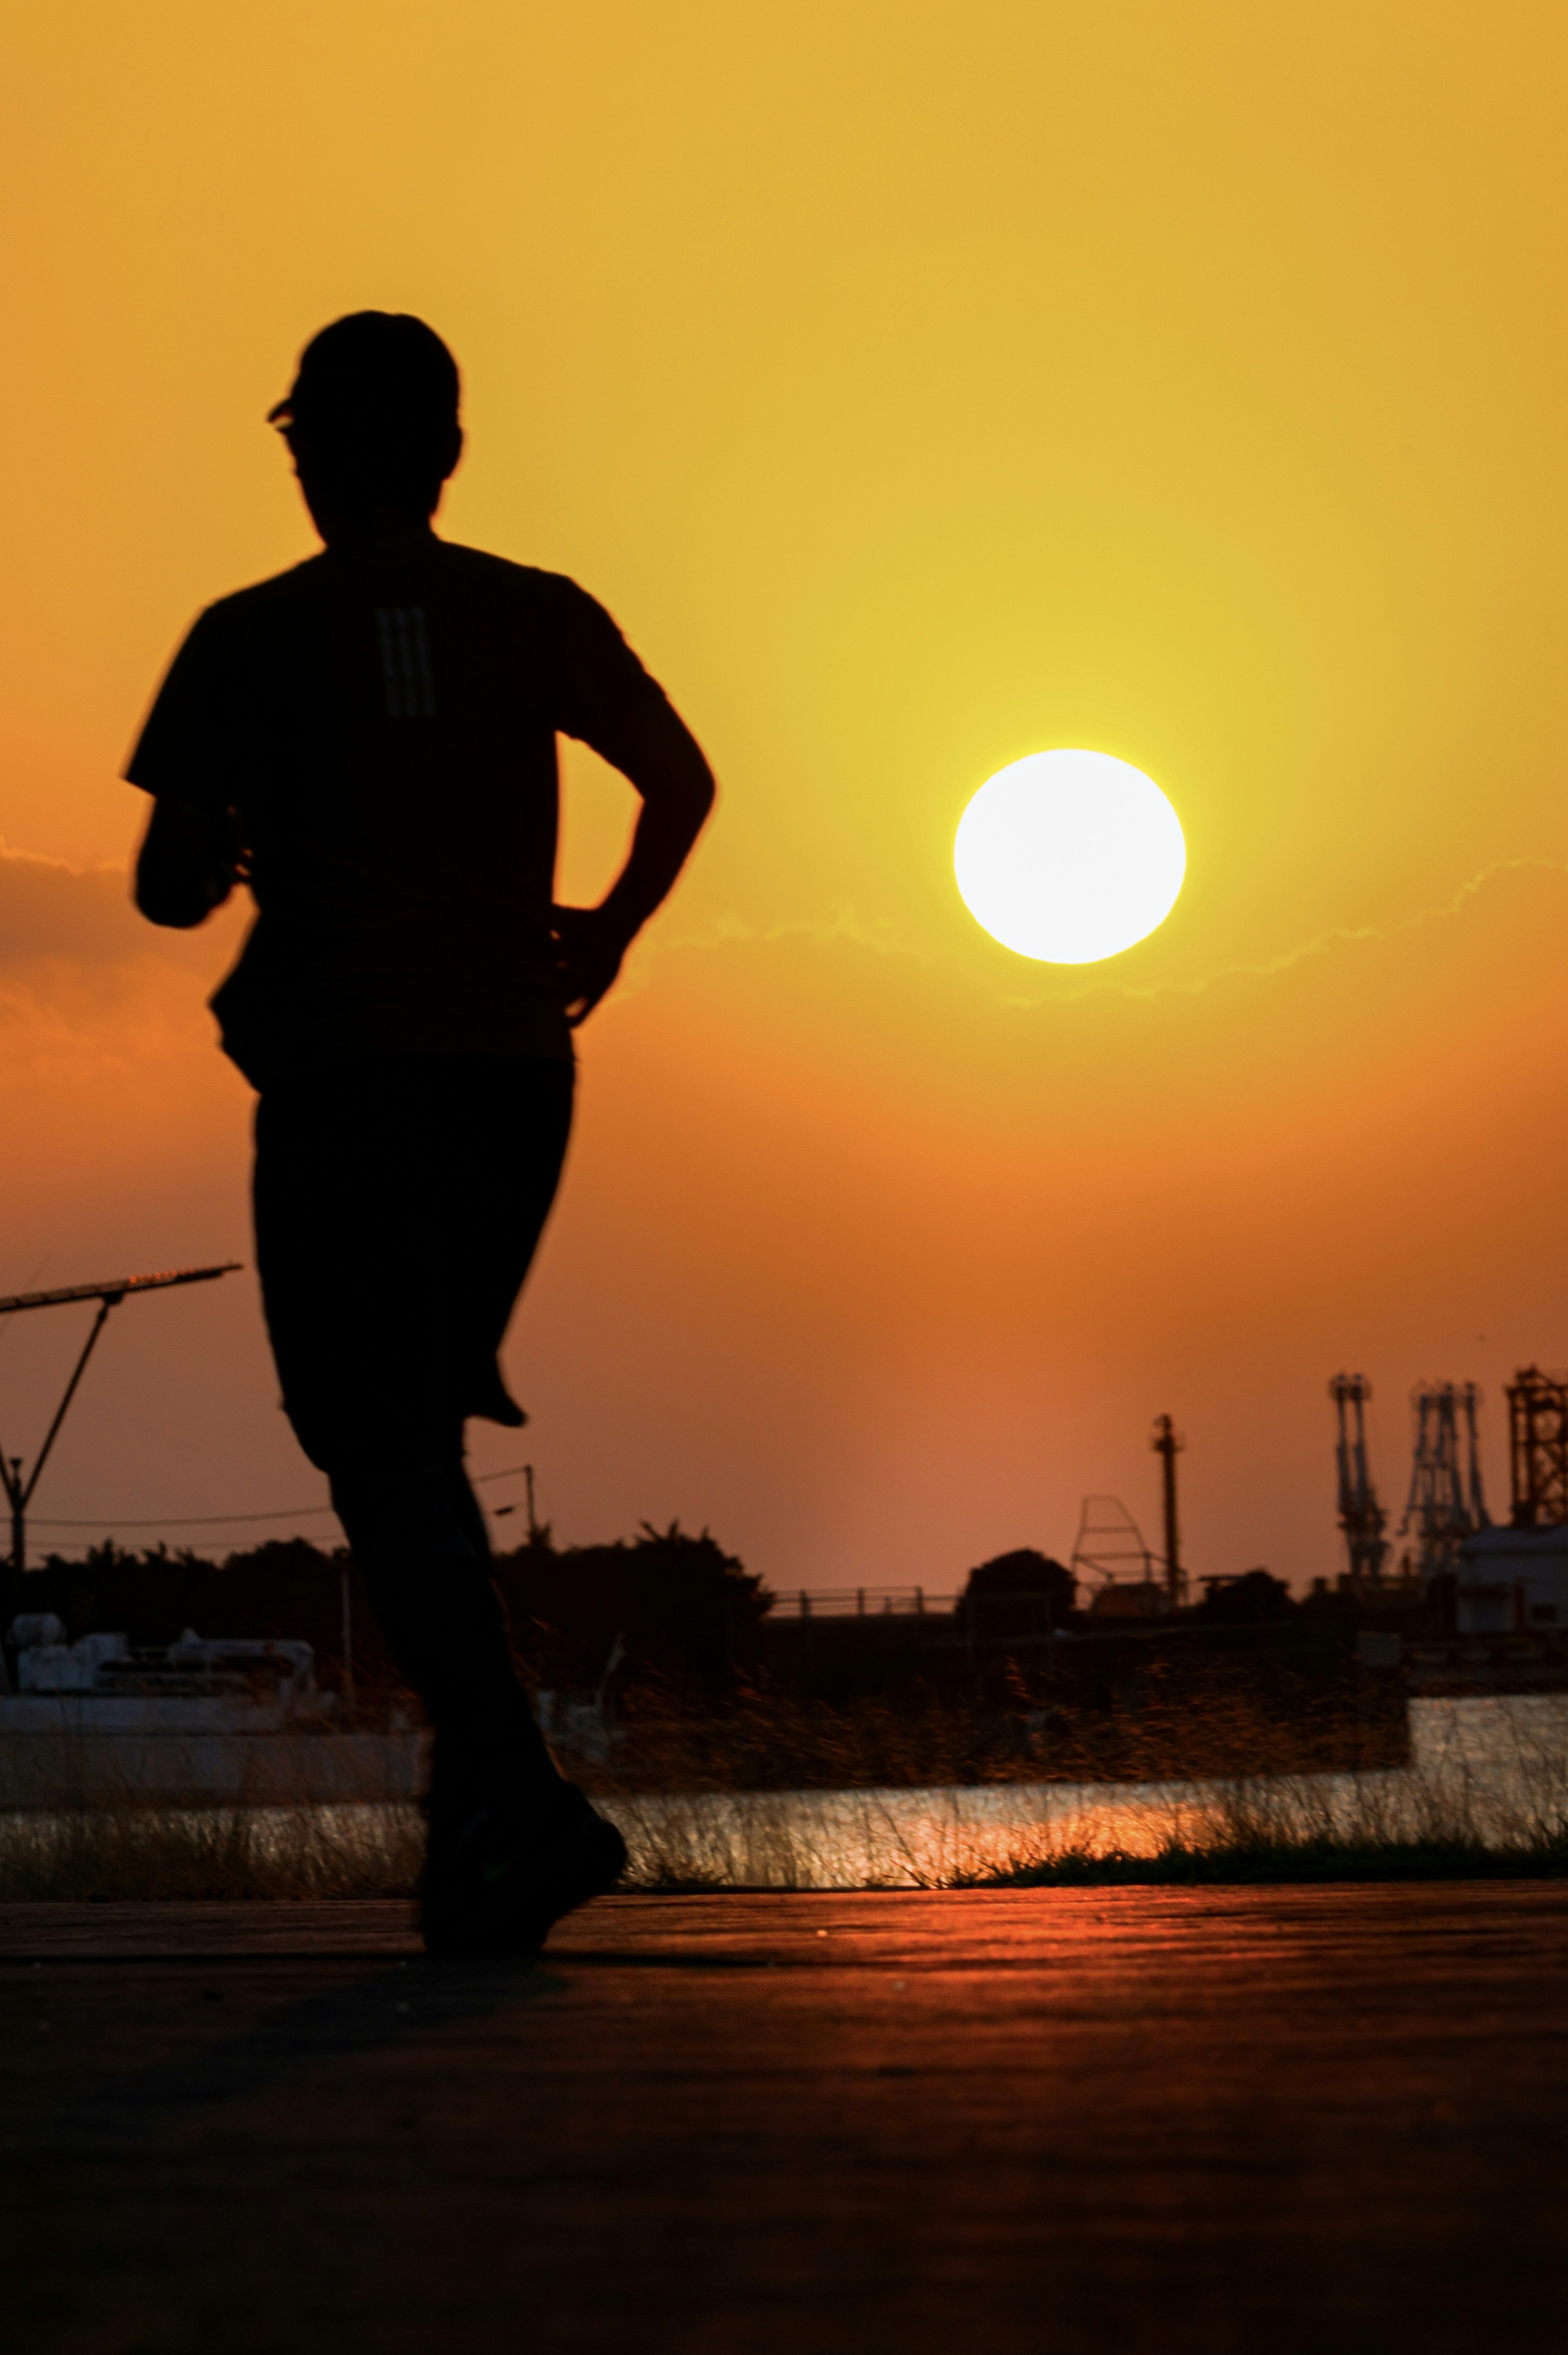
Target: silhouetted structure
x=19 y=1490
x=1361 y=1518
x=1109 y=1544
x=1168 y=1445
x=1446 y=1503
x=1537 y=1448
x=1255 y=1599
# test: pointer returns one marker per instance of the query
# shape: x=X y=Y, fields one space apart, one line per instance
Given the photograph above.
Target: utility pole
x=19 y=1490
x=1168 y=1445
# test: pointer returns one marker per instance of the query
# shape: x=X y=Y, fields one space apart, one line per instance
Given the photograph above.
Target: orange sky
x=919 y=387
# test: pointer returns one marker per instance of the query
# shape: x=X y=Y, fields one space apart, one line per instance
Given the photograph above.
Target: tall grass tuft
x=206 y=1854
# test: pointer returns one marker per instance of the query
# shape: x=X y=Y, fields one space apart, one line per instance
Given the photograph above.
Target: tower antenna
x=1168 y=1444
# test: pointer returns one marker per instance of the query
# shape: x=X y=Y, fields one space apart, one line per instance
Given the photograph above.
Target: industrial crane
x=18 y=1491
x=1446 y=1503
x=1361 y=1518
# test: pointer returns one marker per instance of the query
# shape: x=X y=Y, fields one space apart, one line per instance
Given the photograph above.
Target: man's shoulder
x=528 y=589
x=499 y=576
x=264 y=602
x=474 y=571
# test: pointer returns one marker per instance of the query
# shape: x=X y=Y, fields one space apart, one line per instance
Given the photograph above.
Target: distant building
x=1129 y=1598
x=1513 y=1582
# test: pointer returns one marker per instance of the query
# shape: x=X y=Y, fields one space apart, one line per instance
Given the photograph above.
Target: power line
x=176 y=1521
x=226 y=1521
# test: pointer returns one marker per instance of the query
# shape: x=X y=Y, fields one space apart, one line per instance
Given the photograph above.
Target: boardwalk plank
x=1206 y=2120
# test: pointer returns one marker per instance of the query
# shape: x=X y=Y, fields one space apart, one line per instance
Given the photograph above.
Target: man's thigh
x=398 y=1201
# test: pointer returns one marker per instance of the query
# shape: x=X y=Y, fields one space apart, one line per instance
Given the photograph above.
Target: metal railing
x=1026 y=1616
x=859 y=1603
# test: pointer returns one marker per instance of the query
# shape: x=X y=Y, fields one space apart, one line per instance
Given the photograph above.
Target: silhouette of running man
x=369 y=741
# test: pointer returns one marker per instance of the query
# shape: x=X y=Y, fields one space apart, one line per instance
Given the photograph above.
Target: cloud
x=73 y=948
x=1340 y=935
x=842 y=923
x=51 y=909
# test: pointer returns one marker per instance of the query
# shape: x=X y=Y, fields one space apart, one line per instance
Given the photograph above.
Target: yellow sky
x=919 y=387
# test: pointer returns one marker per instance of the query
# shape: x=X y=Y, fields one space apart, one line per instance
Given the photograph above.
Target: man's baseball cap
x=381 y=374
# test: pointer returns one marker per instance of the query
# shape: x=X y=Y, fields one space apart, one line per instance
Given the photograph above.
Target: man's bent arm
x=660 y=757
x=183 y=868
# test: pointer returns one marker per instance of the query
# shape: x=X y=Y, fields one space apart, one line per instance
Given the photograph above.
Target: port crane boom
x=18 y=1490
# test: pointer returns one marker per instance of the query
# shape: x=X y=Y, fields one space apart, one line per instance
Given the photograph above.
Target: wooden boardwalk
x=1319 y=2119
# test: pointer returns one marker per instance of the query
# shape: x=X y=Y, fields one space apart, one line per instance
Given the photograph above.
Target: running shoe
x=499 y=1874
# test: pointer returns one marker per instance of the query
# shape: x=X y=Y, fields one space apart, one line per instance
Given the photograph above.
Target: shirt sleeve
x=189 y=749
x=598 y=679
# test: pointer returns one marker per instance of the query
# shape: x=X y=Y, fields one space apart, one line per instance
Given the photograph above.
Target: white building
x=1513 y=1582
x=231 y=1723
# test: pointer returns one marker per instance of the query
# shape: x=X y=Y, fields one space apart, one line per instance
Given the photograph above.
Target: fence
x=859 y=1603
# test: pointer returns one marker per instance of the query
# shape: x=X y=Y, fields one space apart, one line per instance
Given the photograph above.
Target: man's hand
x=590 y=944
x=188 y=863
x=657 y=752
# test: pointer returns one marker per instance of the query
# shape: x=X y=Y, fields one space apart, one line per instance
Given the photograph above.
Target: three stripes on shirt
x=406 y=662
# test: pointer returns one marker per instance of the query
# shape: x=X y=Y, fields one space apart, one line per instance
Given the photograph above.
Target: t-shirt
x=383 y=730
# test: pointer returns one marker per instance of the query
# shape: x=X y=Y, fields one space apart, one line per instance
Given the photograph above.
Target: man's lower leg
x=512 y=1844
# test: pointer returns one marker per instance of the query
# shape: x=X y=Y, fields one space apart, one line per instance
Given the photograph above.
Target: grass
x=688 y=1844
x=1486 y=1795
x=203 y=1855
x=1187 y=1864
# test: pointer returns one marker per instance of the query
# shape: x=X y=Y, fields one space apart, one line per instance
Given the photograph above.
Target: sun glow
x=1069 y=857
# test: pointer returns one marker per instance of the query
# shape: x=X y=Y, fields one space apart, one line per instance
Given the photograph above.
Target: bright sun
x=1069 y=857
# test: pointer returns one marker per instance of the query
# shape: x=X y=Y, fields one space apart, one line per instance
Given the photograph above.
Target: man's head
x=372 y=417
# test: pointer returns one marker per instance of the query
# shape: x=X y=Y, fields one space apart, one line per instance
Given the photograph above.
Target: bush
x=1257 y=1599
x=667 y=1608
x=1017 y=1593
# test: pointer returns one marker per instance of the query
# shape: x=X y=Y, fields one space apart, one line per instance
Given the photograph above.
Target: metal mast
x=1361 y=1518
x=18 y=1491
x=1107 y=1538
x=1168 y=1444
